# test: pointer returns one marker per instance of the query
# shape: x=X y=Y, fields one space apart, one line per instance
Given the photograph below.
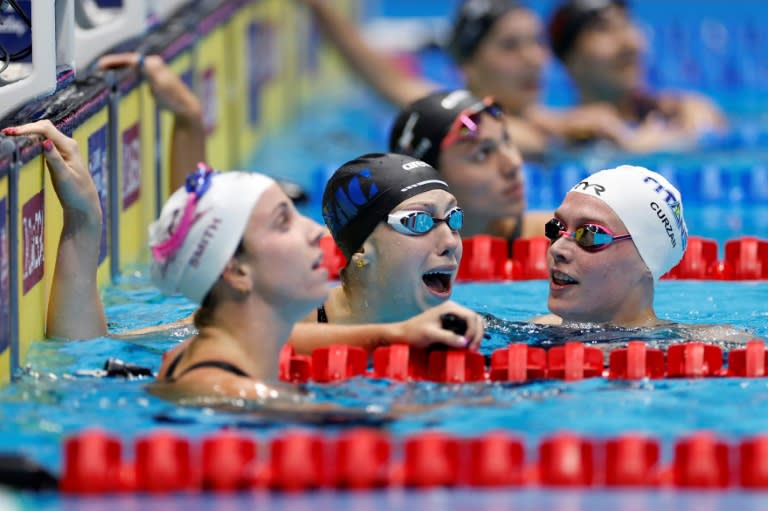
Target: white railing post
x=42 y=79
x=97 y=30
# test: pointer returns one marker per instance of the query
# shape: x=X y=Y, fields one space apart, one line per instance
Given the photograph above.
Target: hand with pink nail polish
x=75 y=310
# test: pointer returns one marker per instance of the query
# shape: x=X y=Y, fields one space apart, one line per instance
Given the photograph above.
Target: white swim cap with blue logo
x=651 y=209
x=192 y=243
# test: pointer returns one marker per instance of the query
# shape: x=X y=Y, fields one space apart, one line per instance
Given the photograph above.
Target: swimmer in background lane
x=613 y=236
x=467 y=141
x=498 y=45
x=74 y=305
x=601 y=48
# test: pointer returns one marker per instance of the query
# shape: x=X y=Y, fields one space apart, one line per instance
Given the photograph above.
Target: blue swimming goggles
x=415 y=223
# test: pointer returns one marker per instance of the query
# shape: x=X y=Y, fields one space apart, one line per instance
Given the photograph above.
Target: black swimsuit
x=322 y=317
x=216 y=364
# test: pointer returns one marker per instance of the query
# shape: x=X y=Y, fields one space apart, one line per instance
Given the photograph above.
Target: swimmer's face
x=283 y=255
x=485 y=174
x=606 y=56
x=410 y=274
x=599 y=287
x=509 y=61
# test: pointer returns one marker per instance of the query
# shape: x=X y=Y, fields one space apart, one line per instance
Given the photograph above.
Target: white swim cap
x=200 y=228
x=651 y=209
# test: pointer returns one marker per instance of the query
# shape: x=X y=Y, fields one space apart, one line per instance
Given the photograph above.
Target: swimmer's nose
x=449 y=241
x=510 y=161
x=316 y=232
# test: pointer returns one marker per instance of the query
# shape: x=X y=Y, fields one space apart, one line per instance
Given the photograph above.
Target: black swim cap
x=571 y=18
x=362 y=192
x=420 y=128
x=474 y=21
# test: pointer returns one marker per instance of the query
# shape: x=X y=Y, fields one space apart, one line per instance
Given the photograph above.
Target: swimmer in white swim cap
x=613 y=236
x=234 y=243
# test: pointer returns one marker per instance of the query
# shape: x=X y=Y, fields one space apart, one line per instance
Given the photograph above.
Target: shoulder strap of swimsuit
x=322 y=317
x=216 y=364
x=172 y=366
x=515 y=234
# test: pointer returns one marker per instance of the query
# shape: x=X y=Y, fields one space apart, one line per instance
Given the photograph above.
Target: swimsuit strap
x=322 y=317
x=515 y=234
x=216 y=364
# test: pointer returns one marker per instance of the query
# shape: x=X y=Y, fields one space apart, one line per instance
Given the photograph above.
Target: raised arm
x=171 y=93
x=75 y=310
x=373 y=66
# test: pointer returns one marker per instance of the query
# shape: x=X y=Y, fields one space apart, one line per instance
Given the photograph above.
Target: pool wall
x=252 y=63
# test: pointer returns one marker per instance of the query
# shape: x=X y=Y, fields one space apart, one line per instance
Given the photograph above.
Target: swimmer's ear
x=237 y=275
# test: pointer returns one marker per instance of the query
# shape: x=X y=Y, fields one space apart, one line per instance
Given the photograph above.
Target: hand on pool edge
x=75 y=310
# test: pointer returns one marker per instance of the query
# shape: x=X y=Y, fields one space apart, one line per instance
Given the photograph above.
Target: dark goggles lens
x=590 y=237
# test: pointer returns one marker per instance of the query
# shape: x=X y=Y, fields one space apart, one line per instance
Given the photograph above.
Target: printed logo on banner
x=97 y=162
x=208 y=94
x=32 y=236
x=131 y=165
x=261 y=63
x=5 y=289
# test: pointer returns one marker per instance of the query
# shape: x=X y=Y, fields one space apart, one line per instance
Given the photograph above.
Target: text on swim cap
x=586 y=185
x=360 y=189
x=665 y=221
x=414 y=165
x=674 y=206
x=208 y=233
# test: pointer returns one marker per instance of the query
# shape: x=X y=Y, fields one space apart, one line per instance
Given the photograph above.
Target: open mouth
x=439 y=282
x=562 y=279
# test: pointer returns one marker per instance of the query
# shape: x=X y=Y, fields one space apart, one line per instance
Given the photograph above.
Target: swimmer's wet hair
x=570 y=19
x=475 y=19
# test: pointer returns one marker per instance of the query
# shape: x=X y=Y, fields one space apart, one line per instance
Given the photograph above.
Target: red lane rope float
x=360 y=459
x=486 y=259
x=521 y=363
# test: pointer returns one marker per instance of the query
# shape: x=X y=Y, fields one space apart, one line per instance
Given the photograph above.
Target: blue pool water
x=56 y=395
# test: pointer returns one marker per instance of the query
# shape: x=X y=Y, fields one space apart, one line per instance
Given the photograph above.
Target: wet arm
x=75 y=310
x=374 y=66
x=172 y=94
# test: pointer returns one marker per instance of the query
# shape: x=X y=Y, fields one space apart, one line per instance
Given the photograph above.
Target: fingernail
x=463 y=341
x=9 y=131
x=47 y=145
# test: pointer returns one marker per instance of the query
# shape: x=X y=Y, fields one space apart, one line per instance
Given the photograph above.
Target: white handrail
x=97 y=30
x=42 y=79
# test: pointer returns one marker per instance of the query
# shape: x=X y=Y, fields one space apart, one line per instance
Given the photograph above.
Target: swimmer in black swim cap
x=398 y=226
x=466 y=139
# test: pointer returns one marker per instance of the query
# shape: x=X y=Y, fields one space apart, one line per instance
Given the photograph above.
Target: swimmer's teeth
x=562 y=278
x=439 y=280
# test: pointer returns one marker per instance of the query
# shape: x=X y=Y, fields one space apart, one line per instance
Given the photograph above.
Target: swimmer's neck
x=354 y=306
x=258 y=330
x=647 y=320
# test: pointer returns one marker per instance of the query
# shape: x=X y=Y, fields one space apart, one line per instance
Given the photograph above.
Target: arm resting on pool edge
x=75 y=310
x=422 y=330
x=172 y=94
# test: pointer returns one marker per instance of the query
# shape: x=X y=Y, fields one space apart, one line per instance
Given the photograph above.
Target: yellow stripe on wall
x=134 y=187
x=5 y=347
x=214 y=61
x=37 y=223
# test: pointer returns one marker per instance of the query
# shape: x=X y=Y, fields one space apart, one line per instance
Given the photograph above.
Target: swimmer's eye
x=483 y=152
x=283 y=220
